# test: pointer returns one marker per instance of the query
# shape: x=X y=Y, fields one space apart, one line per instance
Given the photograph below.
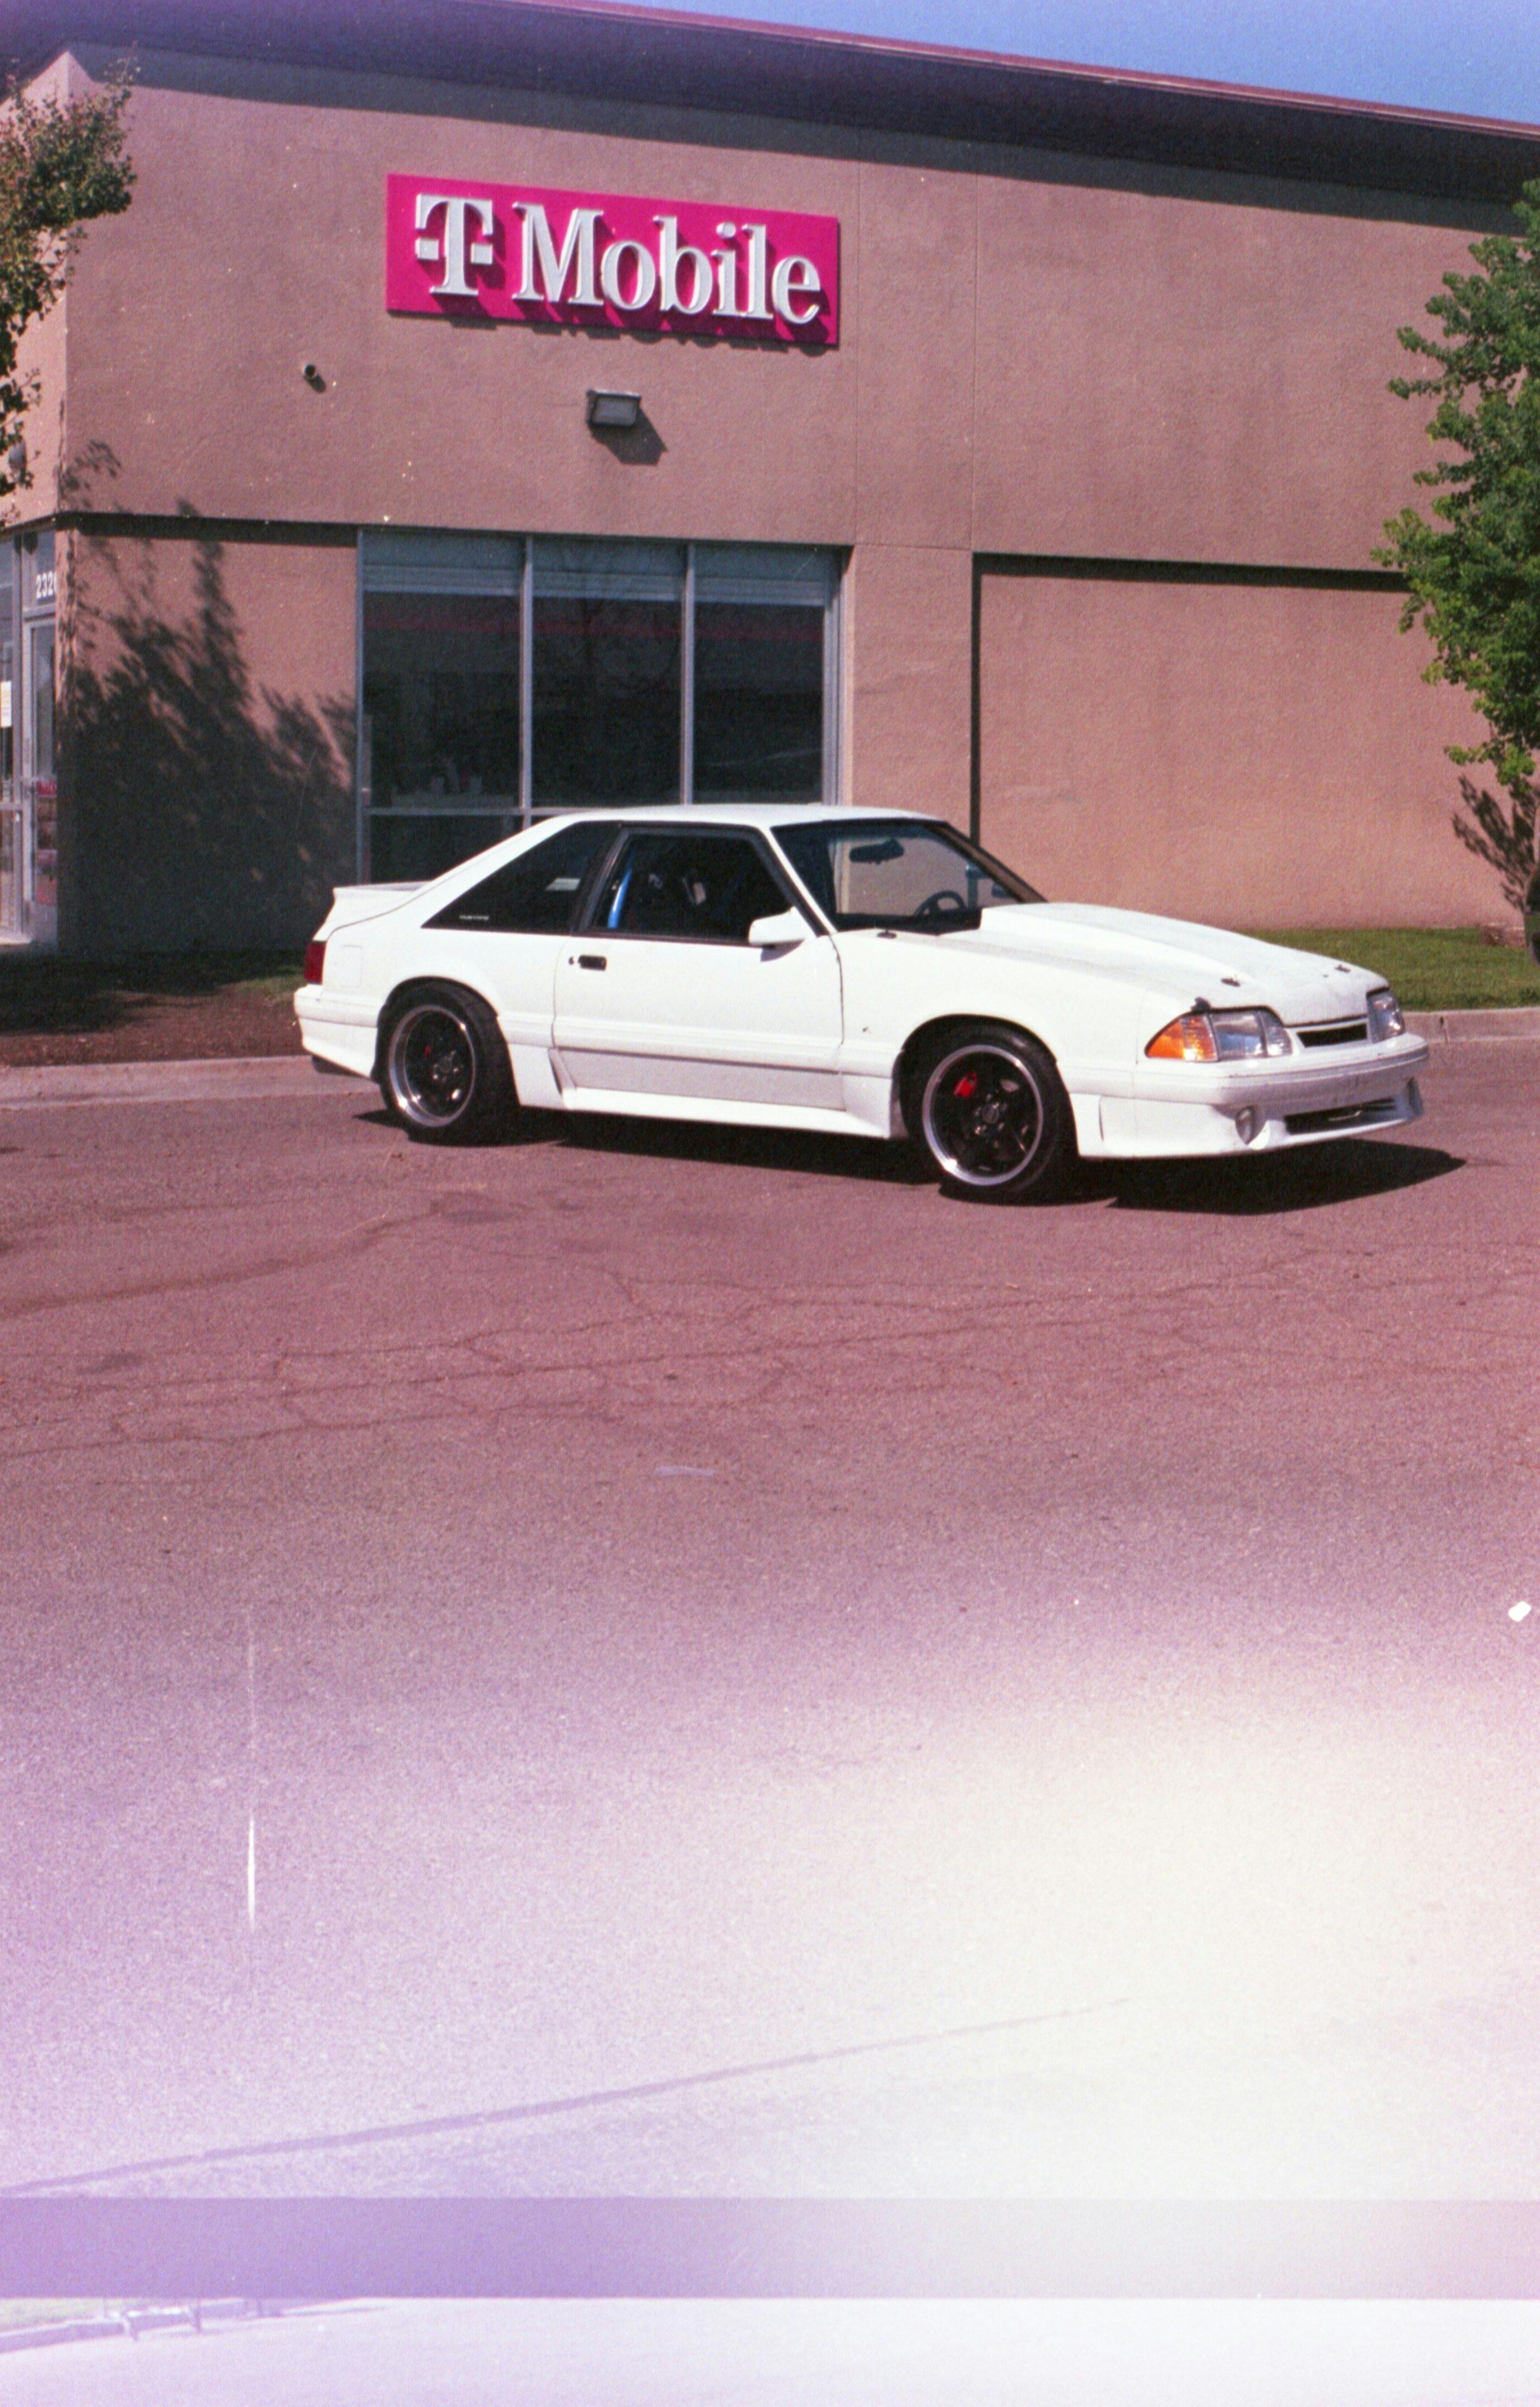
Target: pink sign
x=597 y=259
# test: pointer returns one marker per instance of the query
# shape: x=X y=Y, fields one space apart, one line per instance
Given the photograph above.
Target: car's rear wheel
x=445 y=1074
x=991 y=1112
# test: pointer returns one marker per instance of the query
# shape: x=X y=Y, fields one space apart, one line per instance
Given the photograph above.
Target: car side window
x=536 y=893
x=712 y=888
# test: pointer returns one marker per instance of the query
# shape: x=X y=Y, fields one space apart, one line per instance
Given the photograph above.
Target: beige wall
x=1025 y=365
x=910 y=648
x=208 y=782
x=255 y=243
x=1029 y=364
x=1164 y=378
x=1259 y=756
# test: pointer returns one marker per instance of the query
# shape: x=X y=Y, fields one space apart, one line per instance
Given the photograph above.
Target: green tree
x=62 y=164
x=1473 y=569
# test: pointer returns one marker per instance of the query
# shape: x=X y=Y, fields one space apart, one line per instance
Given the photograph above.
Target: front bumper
x=1182 y=1108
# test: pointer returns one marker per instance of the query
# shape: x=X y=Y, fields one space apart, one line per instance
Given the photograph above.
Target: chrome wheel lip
x=413 y=1105
x=941 y=1151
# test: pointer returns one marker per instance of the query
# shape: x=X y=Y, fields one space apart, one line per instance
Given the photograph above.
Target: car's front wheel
x=445 y=1074
x=991 y=1112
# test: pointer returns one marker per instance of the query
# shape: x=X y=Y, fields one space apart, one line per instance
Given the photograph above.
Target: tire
x=445 y=1076
x=990 y=1108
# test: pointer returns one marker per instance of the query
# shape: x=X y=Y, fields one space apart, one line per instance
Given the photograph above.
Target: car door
x=662 y=994
x=505 y=934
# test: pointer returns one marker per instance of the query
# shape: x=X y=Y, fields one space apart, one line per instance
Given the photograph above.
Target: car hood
x=1179 y=956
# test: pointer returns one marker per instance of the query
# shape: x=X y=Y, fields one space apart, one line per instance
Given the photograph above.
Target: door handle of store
x=592 y=961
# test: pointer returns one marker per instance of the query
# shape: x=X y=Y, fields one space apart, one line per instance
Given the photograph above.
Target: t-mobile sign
x=597 y=259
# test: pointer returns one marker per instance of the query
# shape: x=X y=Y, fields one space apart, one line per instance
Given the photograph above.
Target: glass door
x=42 y=786
x=13 y=922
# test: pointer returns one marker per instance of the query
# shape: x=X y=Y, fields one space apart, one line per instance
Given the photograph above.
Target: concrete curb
x=51 y=2335
x=171 y=1082
x=1473 y=1027
x=282 y=1074
x=127 y=2325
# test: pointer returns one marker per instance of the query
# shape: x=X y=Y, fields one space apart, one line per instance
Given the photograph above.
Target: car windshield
x=898 y=874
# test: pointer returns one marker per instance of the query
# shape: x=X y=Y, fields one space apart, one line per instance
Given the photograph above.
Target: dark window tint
x=758 y=703
x=709 y=887
x=440 y=728
x=536 y=893
x=606 y=699
x=441 y=689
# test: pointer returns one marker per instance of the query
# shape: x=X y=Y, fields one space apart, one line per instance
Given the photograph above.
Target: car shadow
x=1304 y=1179
x=1300 y=1181
x=826 y=1157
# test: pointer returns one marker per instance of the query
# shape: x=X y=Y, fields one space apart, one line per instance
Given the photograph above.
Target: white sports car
x=871 y=974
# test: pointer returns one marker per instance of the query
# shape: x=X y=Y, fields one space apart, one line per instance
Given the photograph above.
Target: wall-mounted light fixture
x=614 y=408
x=313 y=377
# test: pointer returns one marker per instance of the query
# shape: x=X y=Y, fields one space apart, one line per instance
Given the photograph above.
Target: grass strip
x=1432 y=969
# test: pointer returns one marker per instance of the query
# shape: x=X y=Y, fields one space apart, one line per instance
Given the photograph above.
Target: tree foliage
x=1472 y=568
x=62 y=164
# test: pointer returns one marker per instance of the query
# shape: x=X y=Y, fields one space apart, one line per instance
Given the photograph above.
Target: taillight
x=315 y=960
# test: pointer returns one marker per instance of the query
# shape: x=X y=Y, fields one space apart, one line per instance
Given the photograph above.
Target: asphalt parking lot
x=748 y=1676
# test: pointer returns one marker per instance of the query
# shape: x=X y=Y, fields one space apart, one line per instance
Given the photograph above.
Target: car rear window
x=536 y=893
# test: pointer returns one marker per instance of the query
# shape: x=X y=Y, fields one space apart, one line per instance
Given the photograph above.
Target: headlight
x=1386 y=1016
x=1220 y=1036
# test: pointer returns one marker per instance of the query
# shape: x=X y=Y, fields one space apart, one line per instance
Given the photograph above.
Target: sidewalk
x=127 y=2322
x=175 y=1082
x=1475 y=1027
x=292 y=1076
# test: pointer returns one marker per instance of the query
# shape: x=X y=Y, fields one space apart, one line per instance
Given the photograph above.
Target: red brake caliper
x=966 y=1087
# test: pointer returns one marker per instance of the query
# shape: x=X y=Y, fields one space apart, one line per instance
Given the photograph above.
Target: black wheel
x=991 y=1110
x=445 y=1074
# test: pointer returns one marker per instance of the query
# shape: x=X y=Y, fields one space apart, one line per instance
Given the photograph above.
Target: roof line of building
x=1146 y=78
x=601 y=50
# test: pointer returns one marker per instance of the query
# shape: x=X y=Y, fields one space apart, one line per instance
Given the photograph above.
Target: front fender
x=1089 y=1018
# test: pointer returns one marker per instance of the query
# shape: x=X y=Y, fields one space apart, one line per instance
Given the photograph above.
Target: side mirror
x=780 y=928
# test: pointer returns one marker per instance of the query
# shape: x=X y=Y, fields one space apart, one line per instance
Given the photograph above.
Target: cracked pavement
x=714 y=1602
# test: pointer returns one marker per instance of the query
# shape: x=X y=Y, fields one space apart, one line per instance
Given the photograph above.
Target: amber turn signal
x=1188 y=1039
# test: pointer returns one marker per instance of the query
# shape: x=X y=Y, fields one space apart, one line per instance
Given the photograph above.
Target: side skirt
x=704 y=1108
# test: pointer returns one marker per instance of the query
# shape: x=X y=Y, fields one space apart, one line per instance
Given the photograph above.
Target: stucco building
x=1009 y=441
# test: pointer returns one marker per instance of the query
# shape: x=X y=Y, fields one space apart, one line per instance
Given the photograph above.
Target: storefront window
x=440 y=750
x=758 y=673
x=608 y=652
x=505 y=676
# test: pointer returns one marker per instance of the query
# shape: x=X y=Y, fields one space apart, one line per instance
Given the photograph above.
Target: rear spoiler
x=352 y=904
x=400 y=886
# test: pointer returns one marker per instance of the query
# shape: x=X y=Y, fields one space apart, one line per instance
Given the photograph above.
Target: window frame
x=863 y=923
x=384 y=560
x=585 y=925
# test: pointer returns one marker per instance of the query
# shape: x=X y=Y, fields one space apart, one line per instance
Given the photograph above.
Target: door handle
x=592 y=961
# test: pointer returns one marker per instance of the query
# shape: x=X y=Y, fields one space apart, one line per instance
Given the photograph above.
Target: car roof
x=735 y=814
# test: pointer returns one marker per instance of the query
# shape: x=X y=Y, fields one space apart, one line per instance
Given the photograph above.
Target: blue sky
x=1479 y=56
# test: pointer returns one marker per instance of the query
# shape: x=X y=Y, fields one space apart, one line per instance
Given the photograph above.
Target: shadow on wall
x=207 y=810
x=1501 y=833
